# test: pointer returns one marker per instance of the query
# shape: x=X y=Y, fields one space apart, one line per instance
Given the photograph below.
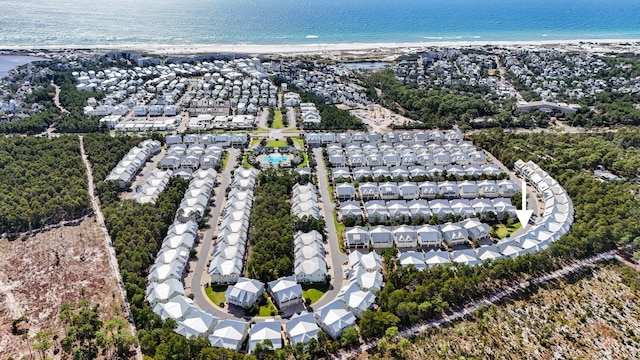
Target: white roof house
x=333 y=318
x=398 y=210
x=367 y=281
x=356 y=300
x=468 y=189
x=376 y=211
x=462 y=207
x=351 y=209
x=196 y=324
x=433 y=258
x=266 y=330
x=454 y=234
x=412 y=258
x=388 y=191
x=229 y=334
x=419 y=209
x=163 y=272
x=313 y=270
x=405 y=236
x=429 y=236
x=428 y=190
x=174 y=241
x=245 y=293
x=164 y=291
x=225 y=271
x=285 y=291
x=370 y=262
x=381 y=237
x=369 y=191
x=304 y=239
x=177 y=308
x=357 y=236
x=345 y=191
x=466 y=256
x=509 y=248
x=488 y=253
x=476 y=230
x=301 y=328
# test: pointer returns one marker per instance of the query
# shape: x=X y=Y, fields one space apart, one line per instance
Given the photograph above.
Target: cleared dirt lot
x=40 y=272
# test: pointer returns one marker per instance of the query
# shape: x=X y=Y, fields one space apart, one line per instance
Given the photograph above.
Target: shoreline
x=327 y=48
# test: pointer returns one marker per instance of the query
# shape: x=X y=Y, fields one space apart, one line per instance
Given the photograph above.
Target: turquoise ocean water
x=33 y=23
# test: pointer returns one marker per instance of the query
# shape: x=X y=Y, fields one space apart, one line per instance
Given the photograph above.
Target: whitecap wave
x=311 y=36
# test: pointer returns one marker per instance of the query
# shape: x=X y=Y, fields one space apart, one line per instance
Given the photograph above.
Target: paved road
x=470 y=308
x=533 y=203
x=113 y=260
x=143 y=175
x=334 y=255
x=198 y=274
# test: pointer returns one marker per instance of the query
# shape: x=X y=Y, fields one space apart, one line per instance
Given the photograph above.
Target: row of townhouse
x=153 y=186
x=428 y=190
x=165 y=291
x=230 y=248
x=403 y=211
x=196 y=198
x=222 y=140
x=425 y=157
x=365 y=279
x=309 y=264
x=406 y=236
x=415 y=172
x=550 y=226
x=304 y=201
x=128 y=167
x=435 y=136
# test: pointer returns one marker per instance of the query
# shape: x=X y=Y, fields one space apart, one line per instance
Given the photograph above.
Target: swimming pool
x=275 y=159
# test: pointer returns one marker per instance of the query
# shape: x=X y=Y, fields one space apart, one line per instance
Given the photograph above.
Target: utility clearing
x=40 y=272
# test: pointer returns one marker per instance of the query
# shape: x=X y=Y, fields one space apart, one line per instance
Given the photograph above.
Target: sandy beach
x=364 y=49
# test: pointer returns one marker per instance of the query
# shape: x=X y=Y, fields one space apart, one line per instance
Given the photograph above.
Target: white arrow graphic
x=524 y=215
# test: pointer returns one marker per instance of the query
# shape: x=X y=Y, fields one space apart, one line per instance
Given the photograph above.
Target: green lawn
x=255 y=141
x=267 y=309
x=314 y=291
x=277 y=120
x=504 y=230
x=225 y=160
x=245 y=161
x=305 y=161
x=277 y=143
x=298 y=141
x=216 y=294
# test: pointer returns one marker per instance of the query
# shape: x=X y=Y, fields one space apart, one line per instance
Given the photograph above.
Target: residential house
x=333 y=318
x=245 y=293
x=229 y=334
x=285 y=291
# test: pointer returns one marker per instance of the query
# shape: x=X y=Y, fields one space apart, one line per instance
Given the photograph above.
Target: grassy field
x=268 y=309
x=245 y=161
x=298 y=141
x=305 y=160
x=504 y=230
x=276 y=143
x=314 y=291
x=592 y=315
x=277 y=120
x=255 y=141
x=216 y=294
x=225 y=160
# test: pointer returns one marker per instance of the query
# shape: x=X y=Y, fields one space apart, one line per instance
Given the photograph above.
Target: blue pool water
x=275 y=159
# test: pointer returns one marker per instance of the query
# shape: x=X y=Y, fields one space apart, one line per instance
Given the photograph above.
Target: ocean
x=90 y=23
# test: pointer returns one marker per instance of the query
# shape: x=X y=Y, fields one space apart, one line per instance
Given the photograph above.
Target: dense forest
x=42 y=182
x=434 y=108
x=606 y=217
x=271 y=232
x=42 y=94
